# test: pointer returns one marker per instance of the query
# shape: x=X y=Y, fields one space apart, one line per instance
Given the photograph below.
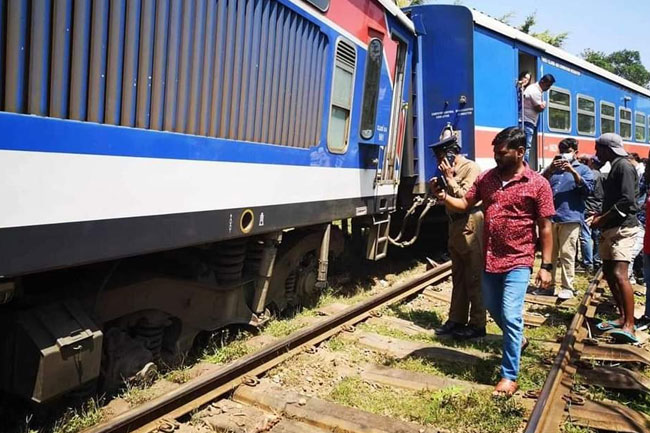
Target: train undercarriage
x=105 y=324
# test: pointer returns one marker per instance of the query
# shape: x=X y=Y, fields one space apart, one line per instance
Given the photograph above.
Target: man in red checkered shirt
x=516 y=202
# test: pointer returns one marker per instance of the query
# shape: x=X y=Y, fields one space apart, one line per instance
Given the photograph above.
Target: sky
x=602 y=25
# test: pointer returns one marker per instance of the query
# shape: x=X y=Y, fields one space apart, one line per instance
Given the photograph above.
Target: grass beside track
x=480 y=412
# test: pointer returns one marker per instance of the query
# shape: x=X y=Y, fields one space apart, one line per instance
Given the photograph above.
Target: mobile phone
x=441 y=181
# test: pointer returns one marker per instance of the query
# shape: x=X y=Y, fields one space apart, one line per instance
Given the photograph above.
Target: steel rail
x=549 y=403
x=200 y=391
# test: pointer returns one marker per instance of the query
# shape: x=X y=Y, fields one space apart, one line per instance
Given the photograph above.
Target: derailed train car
x=172 y=166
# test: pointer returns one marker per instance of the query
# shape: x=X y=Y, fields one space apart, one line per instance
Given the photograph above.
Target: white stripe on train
x=49 y=188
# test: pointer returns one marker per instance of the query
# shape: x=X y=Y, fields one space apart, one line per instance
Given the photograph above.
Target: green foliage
x=557 y=40
x=505 y=18
x=624 y=63
x=481 y=412
x=180 y=375
x=528 y=23
x=223 y=354
x=75 y=420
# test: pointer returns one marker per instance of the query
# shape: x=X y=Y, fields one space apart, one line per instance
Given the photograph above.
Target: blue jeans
x=586 y=244
x=529 y=130
x=646 y=277
x=503 y=296
x=589 y=244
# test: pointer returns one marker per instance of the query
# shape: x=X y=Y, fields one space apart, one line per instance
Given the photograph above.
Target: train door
x=393 y=151
x=388 y=174
x=528 y=63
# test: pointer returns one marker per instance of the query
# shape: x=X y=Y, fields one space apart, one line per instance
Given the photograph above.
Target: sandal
x=607 y=325
x=623 y=336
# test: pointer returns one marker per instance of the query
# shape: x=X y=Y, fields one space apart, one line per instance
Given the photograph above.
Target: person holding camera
x=518 y=203
x=458 y=173
x=571 y=183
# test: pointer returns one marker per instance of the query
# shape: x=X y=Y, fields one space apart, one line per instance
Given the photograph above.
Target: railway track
x=244 y=397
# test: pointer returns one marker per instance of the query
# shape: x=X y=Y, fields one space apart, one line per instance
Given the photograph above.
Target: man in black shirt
x=619 y=227
x=593 y=205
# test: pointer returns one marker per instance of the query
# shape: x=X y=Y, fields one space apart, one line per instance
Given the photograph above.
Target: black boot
x=469 y=332
x=448 y=328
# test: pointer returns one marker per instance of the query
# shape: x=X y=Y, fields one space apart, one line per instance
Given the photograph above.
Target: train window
x=586 y=115
x=625 y=122
x=371 y=88
x=342 y=88
x=559 y=110
x=607 y=117
x=321 y=5
x=639 y=126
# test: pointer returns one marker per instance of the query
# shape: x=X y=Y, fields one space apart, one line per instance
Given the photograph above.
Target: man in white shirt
x=533 y=105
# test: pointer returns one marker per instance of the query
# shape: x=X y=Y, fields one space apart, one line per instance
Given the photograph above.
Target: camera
x=441 y=181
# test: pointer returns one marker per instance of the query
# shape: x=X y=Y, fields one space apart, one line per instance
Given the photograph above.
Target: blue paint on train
x=24 y=132
x=455 y=43
x=445 y=93
x=42 y=134
x=495 y=67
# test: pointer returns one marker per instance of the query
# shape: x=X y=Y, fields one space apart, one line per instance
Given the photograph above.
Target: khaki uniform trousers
x=565 y=244
x=466 y=250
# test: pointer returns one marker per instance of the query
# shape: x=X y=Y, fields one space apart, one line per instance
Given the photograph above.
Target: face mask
x=567 y=156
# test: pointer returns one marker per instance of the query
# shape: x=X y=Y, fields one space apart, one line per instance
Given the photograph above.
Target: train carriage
x=211 y=126
x=467 y=64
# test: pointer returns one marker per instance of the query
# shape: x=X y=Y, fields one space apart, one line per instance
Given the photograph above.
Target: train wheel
x=301 y=290
x=293 y=283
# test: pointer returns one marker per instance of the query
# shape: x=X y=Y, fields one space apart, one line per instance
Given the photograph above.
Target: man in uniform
x=465 y=245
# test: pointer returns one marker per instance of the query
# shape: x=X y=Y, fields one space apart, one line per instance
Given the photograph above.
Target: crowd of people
x=576 y=214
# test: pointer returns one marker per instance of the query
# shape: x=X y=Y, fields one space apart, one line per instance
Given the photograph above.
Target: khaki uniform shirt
x=465 y=229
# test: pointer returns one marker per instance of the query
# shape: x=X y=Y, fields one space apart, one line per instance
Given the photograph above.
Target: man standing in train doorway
x=533 y=105
x=464 y=244
x=619 y=227
x=518 y=203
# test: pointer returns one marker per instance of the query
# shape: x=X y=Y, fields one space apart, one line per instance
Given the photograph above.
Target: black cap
x=444 y=143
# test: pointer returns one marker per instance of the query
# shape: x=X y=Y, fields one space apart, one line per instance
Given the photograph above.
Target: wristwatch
x=546 y=266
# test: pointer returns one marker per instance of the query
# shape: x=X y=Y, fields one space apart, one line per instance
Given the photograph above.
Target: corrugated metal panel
x=241 y=69
x=131 y=58
x=97 y=73
x=60 y=53
x=115 y=56
x=79 y=60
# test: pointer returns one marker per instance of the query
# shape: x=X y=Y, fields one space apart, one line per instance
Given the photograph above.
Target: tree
x=557 y=40
x=624 y=63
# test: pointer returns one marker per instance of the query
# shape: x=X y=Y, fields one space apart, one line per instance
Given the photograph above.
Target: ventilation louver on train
x=240 y=69
x=346 y=55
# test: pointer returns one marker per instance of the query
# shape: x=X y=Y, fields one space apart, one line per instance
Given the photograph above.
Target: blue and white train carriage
x=467 y=63
x=142 y=126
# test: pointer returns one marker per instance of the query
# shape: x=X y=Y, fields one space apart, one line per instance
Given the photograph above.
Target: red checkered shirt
x=511 y=213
